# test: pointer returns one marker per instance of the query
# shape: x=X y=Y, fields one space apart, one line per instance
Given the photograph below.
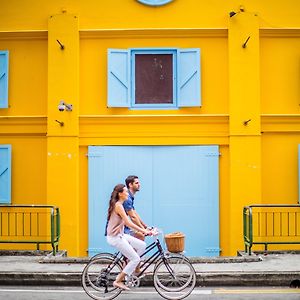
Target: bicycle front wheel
x=174 y=277
x=98 y=276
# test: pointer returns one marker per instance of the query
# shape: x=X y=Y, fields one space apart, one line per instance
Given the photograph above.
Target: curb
x=193 y=260
x=203 y=279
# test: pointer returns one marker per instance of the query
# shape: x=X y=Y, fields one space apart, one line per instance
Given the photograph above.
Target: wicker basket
x=175 y=242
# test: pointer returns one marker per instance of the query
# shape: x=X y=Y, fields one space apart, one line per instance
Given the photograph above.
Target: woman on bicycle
x=128 y=245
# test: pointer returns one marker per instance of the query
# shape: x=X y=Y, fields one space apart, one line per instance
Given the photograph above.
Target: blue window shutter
x=3 y=79
x=118 y=91
x=189 y=91
x=5 y=174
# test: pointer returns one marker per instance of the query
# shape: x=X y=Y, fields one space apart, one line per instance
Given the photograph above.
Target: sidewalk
x=258 y=270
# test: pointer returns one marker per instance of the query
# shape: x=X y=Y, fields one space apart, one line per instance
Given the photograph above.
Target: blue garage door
x=179 y=191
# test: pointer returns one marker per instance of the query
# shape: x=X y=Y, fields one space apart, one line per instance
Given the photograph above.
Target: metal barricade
x=271 y=224
x=30 y=224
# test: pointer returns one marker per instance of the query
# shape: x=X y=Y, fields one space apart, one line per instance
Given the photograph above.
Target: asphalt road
x=218 y=293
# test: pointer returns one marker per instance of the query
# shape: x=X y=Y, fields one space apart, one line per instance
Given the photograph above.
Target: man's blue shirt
x=128 y=205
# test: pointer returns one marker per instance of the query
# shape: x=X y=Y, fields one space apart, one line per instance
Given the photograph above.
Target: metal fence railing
x=30 y=224
x=271 y=224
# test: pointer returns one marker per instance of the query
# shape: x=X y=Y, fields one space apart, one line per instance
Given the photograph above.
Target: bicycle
x=174 y=276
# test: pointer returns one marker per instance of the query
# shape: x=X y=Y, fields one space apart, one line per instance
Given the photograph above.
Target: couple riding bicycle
x=128 y=245
x=172 y=273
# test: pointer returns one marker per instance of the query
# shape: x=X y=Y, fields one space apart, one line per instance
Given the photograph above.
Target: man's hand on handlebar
x=151 y=231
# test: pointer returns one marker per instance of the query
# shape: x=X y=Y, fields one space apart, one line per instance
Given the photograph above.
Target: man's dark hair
x=130 y=179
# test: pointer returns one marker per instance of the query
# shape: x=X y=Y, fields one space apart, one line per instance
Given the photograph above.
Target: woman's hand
x=148 y=231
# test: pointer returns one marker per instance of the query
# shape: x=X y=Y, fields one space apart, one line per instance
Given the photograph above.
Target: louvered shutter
x=3 y=79
x=118 y=91
x=5 y=174
x=189 y=85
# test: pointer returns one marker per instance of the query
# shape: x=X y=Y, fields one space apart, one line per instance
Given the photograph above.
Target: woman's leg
x=119 y=282
x=138 y=245
x=118 y=242
x=129 y=247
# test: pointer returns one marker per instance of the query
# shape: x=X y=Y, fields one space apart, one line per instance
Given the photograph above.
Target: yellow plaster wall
x=279 y=69
x=83 y=200
x=280 y=168
x=131 y=14
x=27 y=74
x=93 y=71
x=278 y=81
x=28 y=169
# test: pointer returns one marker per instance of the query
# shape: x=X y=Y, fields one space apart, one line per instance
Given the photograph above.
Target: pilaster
x=244 y=120
x=62 y=126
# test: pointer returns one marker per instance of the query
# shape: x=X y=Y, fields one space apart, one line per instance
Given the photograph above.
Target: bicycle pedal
x=132 y=281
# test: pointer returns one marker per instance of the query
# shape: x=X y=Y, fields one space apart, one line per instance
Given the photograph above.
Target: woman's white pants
x=130 y=247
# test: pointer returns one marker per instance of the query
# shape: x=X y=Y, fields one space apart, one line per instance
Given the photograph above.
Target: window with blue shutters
x=5 y=174
x=3 y=79
x=154 y=78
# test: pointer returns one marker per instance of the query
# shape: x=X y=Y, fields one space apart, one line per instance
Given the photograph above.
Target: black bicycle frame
x=153 y=258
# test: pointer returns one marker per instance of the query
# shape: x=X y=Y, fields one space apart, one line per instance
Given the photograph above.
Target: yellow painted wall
x=27 y=74
x=28 y=169
x=214 y=66
x=131 y=14
x=280 y=168
x=279 y=69
x=265 y=75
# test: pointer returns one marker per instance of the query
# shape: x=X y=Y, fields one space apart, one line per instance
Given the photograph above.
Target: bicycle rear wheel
x=98 y=276
x=174 y=277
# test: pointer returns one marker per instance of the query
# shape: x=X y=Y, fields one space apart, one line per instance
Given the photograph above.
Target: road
x=218 y=293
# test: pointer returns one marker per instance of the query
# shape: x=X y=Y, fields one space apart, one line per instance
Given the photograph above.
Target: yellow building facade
x=250 y=99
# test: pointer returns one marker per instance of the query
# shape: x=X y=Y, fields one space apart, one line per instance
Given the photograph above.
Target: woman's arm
x=119 y=209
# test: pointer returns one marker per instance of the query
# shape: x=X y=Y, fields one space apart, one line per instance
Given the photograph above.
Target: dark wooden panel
x=153 y=78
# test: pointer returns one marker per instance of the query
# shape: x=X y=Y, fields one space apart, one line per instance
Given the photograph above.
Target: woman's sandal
x=121 y=286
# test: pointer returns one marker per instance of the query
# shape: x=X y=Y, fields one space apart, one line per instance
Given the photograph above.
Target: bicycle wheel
x=182 y=269
x=102 y=254
x=98 y=276
x=174 y=277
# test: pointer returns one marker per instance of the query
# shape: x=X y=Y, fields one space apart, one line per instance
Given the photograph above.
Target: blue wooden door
x=179 y=191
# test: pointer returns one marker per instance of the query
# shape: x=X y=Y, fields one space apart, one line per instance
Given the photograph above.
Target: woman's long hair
x=114 y=198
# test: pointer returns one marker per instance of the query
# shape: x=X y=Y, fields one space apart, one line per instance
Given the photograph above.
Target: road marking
x=195 y=292
x=257 y=291
x=40 y=291
x=201 y=292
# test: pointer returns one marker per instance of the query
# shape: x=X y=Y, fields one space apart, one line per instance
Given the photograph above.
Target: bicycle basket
x=175 y=242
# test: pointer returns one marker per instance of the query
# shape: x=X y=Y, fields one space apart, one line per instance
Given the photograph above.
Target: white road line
x=41 y=291
x=201 y=292
x=195 y=292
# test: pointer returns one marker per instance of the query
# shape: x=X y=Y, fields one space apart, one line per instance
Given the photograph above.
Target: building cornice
x=153 y=32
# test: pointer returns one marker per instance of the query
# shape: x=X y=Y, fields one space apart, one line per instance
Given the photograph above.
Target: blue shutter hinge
x=213 y=250
x=94 y=154
x=213 y=154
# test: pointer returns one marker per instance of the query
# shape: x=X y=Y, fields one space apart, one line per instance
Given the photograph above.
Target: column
x=62 y=126
x=244 y=111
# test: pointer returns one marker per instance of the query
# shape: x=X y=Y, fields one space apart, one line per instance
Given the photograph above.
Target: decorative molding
x=23 y=125
x=26 y=35
x=279 y=32
x=153 y=129
x=208 y=126
x=153 y=32
x=279 y=123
